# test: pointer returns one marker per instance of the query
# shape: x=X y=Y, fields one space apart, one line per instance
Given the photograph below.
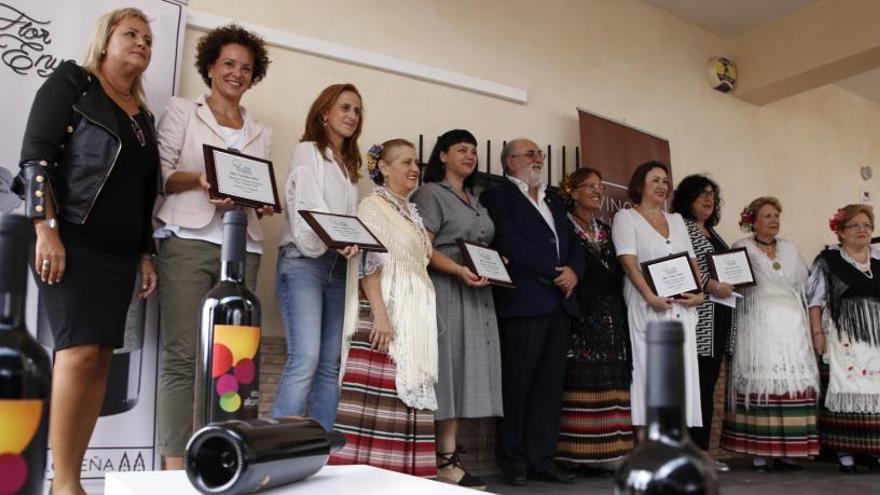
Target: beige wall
x=619 y=58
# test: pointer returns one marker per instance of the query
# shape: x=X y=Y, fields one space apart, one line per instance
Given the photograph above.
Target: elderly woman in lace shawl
x=389 y=349
x=774 y=380
x=844 y=298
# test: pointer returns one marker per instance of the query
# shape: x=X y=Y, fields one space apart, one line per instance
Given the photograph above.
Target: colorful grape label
x=22 y=445
x=235 y=382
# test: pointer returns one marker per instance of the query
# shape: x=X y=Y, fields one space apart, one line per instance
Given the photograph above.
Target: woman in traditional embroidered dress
x=389 y=345
x=469 y=355
x=845 y=283
x=698 y=199
x=773 y=380
x=644 y=233
x=596 y=427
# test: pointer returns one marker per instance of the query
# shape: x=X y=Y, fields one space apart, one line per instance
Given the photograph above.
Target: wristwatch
x=52 y=223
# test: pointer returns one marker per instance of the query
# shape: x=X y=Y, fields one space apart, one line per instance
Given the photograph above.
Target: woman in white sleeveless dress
x=644 y=233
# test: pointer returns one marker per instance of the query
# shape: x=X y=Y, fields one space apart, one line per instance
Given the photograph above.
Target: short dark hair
x=210 y=45
x=689 y=190
x=435 y=171
x=637 y=182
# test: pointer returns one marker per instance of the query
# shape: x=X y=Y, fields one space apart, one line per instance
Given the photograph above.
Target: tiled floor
x=820 y=478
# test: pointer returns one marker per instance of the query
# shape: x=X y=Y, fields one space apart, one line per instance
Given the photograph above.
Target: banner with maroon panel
x=616 y=149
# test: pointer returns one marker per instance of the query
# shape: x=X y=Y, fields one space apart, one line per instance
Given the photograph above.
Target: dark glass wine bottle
x=667 y=462
x=250 y=456
x=25 y=373
x=228 y=379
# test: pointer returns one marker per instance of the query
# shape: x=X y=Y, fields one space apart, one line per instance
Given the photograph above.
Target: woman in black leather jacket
x=89 y=179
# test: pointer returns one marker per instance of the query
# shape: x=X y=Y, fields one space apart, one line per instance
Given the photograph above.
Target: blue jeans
x=311 y=296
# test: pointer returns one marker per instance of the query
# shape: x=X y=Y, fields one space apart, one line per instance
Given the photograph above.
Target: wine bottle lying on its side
x=237 y=457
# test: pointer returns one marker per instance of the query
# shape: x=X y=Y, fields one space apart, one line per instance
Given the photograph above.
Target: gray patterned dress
x=469 y=367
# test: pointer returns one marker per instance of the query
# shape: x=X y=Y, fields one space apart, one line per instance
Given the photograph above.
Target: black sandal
x=453 y=459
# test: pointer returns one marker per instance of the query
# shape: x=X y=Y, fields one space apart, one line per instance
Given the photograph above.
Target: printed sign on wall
x=35 y=37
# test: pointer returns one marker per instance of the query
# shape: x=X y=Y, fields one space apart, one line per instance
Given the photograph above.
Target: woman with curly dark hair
x=230 y=60
x=698 y=200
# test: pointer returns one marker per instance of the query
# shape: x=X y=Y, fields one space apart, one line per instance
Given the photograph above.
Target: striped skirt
x=850 y=433
x=596 y=427
x=380 y=430
x=778 y=426
x=845 y=432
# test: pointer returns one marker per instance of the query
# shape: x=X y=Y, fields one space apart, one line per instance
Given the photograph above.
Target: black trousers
x=532 y=374
x=710 y=367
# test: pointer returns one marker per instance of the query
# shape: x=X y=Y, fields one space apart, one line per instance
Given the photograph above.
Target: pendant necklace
x=772 y=244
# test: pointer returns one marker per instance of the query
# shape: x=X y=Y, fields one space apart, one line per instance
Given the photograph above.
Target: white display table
x=360 y=480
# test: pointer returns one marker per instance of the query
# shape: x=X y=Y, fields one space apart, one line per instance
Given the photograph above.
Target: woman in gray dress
x=469 y=379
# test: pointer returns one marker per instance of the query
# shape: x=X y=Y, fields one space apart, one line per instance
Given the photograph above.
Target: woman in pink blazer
x=230 y=60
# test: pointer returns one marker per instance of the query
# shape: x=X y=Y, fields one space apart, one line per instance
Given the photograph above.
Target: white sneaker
x=721 y=467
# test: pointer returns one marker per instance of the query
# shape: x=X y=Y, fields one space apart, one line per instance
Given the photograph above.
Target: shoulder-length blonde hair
x=95 y=53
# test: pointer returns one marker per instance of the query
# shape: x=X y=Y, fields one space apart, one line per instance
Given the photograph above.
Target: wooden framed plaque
x=340 y=231
x=732 y=267
x=485 y=262
x=671 y=276
x=247 y=180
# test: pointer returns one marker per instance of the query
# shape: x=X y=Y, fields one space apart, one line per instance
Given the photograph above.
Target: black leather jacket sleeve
x=48 y=124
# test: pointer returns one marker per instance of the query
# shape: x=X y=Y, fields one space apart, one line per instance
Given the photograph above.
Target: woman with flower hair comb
x=773 y=379
x=389 y=345
x=596 y=429
x=844 y=300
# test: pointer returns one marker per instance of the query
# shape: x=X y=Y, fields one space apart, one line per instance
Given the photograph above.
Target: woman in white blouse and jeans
x=310 y=283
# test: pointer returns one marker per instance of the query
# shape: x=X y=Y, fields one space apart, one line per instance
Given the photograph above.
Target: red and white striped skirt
x=380 y=430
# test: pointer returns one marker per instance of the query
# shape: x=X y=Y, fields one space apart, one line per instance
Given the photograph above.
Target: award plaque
x=247 y=180
x=671 y=276
x=732 y=267
x=340 y=231
x=485 y=262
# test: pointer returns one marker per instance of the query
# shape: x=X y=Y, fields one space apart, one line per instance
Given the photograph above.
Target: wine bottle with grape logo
x=228 y=381
x=25 y=373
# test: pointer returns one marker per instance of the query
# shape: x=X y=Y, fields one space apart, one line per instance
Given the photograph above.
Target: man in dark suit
x=533 y=233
